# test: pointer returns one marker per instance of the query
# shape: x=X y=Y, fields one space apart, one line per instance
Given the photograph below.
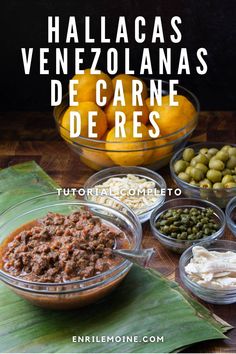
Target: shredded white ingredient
x=136 y=192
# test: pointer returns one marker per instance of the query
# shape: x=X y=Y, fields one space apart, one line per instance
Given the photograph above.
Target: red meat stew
x=62 y=248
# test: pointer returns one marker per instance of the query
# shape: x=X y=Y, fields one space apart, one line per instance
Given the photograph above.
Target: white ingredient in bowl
x=212 y=269
x=139 y=194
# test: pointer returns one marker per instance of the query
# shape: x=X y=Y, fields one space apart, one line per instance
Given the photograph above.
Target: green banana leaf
x=23 y=181
x=145 y=304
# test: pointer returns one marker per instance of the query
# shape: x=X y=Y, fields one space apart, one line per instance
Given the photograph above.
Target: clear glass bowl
x=102 y=176
x=230 y=212
x=214 y=296
x=152 y=153
x=219 y=196
x=72 y=294
x=179 y=246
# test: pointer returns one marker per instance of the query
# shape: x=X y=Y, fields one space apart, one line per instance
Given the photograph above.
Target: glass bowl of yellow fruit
x=134 y=124
x=206 y=171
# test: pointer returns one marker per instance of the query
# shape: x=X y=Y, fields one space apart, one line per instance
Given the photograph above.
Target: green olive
x=212 y=151
x=226 y=148
x=216 y=165
x=214 y=176
x=227 y=171
x=188 y=170
x=202 y=159
x=202 y=167
x=231 y=162
x=230 y=185
x=197 y=174
x=203 y=151
x=188 y=154
x=227 y=178
x=232 y=151
x=184 y=176
x=218 y=185
x=194 y=161
x=222 y=155
x=180 y=166
x=205 y=183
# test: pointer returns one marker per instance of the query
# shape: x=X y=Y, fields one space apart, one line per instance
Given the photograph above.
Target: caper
x=214 y=176
x=193 y=223
x=216 y=165
x=188 y=154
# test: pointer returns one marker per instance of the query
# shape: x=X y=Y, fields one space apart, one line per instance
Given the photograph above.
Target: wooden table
x=32 y=136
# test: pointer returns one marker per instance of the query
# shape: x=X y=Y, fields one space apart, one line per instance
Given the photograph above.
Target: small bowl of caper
x=182 y=222
x=206 y=171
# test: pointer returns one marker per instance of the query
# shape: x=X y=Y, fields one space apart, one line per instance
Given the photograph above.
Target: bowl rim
x=99 y=141
x=186 y=184
x=143 y=173
x=124 y=263
x=229 y=208
x=191 y=284
x=190 y=242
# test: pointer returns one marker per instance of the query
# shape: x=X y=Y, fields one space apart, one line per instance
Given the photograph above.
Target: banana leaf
x=23 y=181
x=145 y=304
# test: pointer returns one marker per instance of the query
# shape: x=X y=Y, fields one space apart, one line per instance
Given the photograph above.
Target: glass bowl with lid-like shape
x=70 y=294
x=151 y=153
x=209 y=294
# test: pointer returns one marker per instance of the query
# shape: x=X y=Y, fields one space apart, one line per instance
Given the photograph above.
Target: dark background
x=209 y=24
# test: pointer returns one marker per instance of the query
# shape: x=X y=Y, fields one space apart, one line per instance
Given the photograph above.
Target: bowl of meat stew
x=56 y=251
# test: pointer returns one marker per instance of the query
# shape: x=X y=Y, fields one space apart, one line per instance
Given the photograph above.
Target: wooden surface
x=32 y=136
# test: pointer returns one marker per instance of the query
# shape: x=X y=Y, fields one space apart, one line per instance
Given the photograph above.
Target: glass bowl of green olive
x=206 y=171
x=182 y=222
